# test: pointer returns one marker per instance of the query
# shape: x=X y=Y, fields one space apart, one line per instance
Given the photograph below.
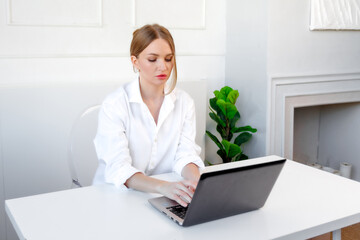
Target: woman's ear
x=134 y=61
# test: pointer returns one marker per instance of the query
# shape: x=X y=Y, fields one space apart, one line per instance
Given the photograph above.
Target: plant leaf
x=227 y=108
x=221 y=130
x=212 y=102
x=218 y=120
x=209 y=163
x=226 y=145
x=230 y=136
x=213 y=105
x=234 y=150
x=222 y=116
x=222 y=154
x=242 y=138
x=234 y=120
x=225 y=91
x=232 y=96
x=221 y=104
x=237 y=158
x=243 y=157
x=219 y=95
x=240 y=157
x=215 y=140
x=231 y=149
x=244 y=129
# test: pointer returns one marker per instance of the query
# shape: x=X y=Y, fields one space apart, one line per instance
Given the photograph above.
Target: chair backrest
x=82 y=156
x=198 y=91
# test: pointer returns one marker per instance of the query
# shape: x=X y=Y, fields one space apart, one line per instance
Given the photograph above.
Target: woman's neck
x=153 y=97
x=150 y=92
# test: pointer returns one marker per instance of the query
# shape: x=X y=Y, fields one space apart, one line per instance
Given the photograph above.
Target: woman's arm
x=187 y=159
x=191 y=172
x=182 y=192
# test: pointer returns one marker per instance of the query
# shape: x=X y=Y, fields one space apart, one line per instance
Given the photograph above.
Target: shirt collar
x=134 y=91
x=171 y=96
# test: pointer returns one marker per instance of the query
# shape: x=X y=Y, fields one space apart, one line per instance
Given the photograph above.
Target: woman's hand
x=181 y=192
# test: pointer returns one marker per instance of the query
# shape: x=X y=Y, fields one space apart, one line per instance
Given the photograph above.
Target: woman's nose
x=162 y=65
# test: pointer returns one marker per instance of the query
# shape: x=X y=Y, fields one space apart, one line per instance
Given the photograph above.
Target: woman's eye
x=151 y=60
x=168 y=59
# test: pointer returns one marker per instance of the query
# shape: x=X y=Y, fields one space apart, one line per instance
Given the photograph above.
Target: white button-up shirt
x=129 y=141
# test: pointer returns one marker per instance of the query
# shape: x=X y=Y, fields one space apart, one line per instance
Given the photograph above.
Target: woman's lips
x=161 y=76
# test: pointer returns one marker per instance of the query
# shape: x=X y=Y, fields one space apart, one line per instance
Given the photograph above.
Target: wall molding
x=115 y=55
x=308 y=90
x=45 y=84
x=293 y=102
x=13 y=23
x=318 y=77
x=202 y=26
x=50 y=55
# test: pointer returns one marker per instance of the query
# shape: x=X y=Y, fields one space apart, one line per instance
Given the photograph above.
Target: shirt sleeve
x=188 y=151
x=111 y=144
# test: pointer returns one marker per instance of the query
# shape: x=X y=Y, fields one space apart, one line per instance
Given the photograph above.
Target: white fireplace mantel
x=289 y=92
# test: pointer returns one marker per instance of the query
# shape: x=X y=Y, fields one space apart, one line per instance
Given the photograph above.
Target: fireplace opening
x=328 y=135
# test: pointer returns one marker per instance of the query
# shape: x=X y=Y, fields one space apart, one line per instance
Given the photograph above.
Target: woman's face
x=155 y=62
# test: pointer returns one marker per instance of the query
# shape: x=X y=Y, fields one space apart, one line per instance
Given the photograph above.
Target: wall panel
x=104 y=28
x=176 y=14
x=71 y=13
x=295 y=50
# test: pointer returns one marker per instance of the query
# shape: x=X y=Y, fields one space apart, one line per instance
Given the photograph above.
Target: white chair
x=197 y=89
x=82 y=157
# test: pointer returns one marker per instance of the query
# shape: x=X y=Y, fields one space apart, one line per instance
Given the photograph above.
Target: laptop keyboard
x=178 y=210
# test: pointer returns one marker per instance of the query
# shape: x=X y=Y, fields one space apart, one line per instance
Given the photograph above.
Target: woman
x=147 y=127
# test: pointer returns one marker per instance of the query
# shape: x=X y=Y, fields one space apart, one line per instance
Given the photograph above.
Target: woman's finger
x=178 y=199
x=182 y=192
x=181 y=186
x=190 y=184
x=183 y=195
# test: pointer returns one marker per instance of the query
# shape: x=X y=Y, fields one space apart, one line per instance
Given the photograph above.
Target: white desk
x=305 y=202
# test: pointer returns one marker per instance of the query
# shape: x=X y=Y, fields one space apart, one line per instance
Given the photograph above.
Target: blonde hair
x=142 y=38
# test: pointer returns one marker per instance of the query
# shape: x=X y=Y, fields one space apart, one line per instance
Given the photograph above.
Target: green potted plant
x=224 y=112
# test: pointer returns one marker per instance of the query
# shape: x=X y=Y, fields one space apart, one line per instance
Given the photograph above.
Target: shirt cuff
x=121 y=175
x=180 y=164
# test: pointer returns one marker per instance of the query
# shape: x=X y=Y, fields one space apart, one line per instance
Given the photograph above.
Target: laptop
x=225 y=190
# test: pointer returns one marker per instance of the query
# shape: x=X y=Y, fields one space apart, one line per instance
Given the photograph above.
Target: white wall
x=87 y=42
x=246 y=49
x=295 y=50
x=269 y=39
